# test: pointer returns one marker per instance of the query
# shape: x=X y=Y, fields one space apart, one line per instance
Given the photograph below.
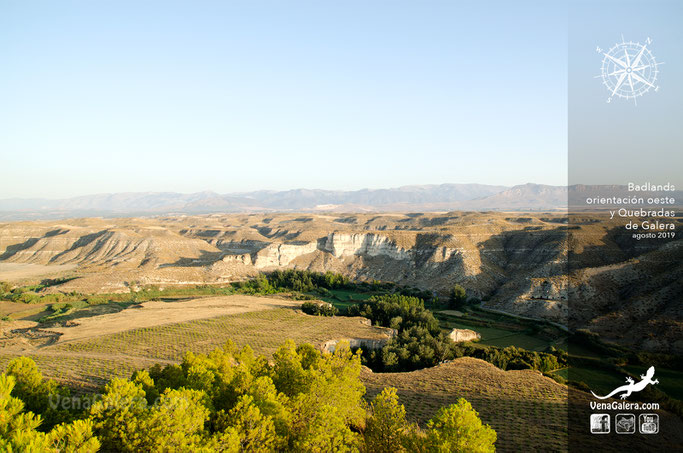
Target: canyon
x=535 y=265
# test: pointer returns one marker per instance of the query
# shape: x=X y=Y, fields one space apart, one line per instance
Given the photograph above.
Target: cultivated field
x=157 y=313
x=97 y=348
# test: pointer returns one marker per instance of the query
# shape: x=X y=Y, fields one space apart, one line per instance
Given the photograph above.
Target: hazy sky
x=620 y=142
x=232 y=96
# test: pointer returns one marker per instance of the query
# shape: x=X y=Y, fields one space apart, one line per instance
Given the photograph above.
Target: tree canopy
x=229 y=400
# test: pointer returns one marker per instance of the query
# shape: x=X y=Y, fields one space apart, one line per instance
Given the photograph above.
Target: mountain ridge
x=528 y=197
x=441 y=197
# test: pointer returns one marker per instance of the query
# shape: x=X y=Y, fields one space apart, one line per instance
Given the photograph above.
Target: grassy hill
x=527 y=410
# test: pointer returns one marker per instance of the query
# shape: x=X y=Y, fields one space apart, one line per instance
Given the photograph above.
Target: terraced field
x=527 y=410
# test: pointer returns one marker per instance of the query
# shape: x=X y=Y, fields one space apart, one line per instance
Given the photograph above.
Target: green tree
x=326 y=430
x=231 y=400
x=226 y=441
x=272 y=404
x=37 y=393
x=290 y=376
x=76 y=437
x=118 y=416
x=386 y=428
x=19 y=429
x=176 y=423
x=325 y=395
x=126 y=422
x=256 y=432
x=457 y=428
x=458 y=297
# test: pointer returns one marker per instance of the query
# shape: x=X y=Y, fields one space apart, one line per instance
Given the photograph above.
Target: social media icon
x=600 y=423
x=625 y=423
x=649 y=423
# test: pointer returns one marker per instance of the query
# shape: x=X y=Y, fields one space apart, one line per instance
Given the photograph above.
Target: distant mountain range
x=444 y=197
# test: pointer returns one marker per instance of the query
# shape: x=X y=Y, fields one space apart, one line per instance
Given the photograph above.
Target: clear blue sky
x=620 y=142
x=234 y=96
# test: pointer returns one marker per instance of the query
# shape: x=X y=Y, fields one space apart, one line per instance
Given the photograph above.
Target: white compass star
x=629 y=69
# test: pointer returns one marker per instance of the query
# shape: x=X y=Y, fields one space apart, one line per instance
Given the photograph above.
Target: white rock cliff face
x=341 y=244
x=277 y=255
x=443 y=254
x=338 y=245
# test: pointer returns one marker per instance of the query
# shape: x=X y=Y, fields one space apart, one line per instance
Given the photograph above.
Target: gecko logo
x=632 y=386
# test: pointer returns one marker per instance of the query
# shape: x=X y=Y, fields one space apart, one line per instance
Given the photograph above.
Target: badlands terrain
x=534 y=265
x=578 y=271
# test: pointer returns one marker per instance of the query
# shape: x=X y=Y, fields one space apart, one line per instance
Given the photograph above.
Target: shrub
x=19 y=429
x=5 y=287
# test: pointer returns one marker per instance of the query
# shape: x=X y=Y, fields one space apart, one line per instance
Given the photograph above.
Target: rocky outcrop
x=545 y=298
x=342 y=244
x=244 y=259
x=460 y=335
x=363 y=343
x=280 y=255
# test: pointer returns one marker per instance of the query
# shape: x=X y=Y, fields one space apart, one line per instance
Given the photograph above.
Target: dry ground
x=20 y=310
x=15 y=272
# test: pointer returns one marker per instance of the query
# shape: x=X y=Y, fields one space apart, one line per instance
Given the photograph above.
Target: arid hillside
x=515 y=262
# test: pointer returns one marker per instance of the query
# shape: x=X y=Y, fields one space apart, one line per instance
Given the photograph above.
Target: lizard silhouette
x=632 y=386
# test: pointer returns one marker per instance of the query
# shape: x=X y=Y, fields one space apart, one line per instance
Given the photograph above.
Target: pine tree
x=457 y=428
x=387 y=427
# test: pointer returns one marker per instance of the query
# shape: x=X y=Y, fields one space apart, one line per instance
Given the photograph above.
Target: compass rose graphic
x=629 y=70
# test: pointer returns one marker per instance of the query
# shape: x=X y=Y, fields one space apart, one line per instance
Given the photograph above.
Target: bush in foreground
x=232 y=401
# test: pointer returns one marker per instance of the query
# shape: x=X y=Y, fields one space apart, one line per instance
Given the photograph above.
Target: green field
x=343 y=298
x=502 y=331
x=599 y=380
x=502 y=338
